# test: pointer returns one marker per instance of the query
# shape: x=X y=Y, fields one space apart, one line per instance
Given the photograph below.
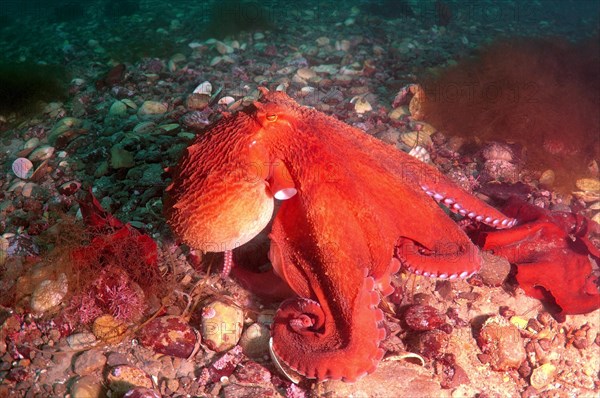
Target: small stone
x=223 y=48
x=108 y=329
x=542 y=376
x=69 y=188
x=423 y=317
x=88 y=362
x=221 y=325
x=49 y=294
x=169 y=335
x=78 y=341
x=306 y=73
x=118 y=109
x=88 y=387
x=123 y=378
x=494 y=269
x=22 y=168
x=144 y=127
x=153 y=108
x=502 y=342
x=547 y=178
x=255 y=341
x=121 y=158
x=197 y=101
x=322 y=41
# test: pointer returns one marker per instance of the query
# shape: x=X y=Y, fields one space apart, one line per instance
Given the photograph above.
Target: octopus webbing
x=354 y=211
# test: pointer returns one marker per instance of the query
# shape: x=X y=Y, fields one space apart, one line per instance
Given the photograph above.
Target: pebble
x=169 y=335
x=223 y=48
x=49 y=294
x=153 y=108
x=423 y=317
x=255 y=341
x=22 y=168
x=121 y=158
x=123 y=378
x=88 y=387
x=109 y=329
x=77 y=341
x=197 y=101
x=221 y=325
x=502 y=341
x=322 y=41
x=494 y=269
x=88 y=362
x=542 y=375
x=144 y=127
x=306 y=73
x=118 y=109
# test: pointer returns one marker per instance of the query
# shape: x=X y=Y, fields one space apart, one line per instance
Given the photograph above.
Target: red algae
x=540 y=92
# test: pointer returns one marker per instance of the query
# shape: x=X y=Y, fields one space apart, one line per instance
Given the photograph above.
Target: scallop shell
x=226 y=101
x=203 y=88
x=41 y=153
x=588 y=184
x=416 y=138
x=23 y=168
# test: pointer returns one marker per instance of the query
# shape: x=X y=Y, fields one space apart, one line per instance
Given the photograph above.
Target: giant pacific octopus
x=354 y=211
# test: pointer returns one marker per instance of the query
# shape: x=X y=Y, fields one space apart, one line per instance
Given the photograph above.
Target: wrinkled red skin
x=361 y=209
x=553 y=254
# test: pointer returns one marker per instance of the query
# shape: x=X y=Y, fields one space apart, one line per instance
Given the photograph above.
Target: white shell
x=226 y=100
x=22 y=167
x=203 y=88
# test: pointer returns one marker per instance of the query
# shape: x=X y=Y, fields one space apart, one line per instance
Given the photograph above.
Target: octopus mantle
x=354 y=210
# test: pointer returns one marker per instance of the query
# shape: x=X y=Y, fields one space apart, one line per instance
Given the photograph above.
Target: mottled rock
x=221 y=325
x=81 y=340
x=169 y=335
x=88 y=362
x=49 y=294
x=88 y=387
x=123 y=378
x=255 y=341
x=153 y=108
x=502 y=342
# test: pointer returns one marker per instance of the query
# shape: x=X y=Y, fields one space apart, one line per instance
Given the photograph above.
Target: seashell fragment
x=227 y=100
x=203 y=88
x=22 y=168
x=588 y=184
x=41 y=153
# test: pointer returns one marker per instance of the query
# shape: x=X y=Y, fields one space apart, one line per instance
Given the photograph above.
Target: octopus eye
x=272 y=117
